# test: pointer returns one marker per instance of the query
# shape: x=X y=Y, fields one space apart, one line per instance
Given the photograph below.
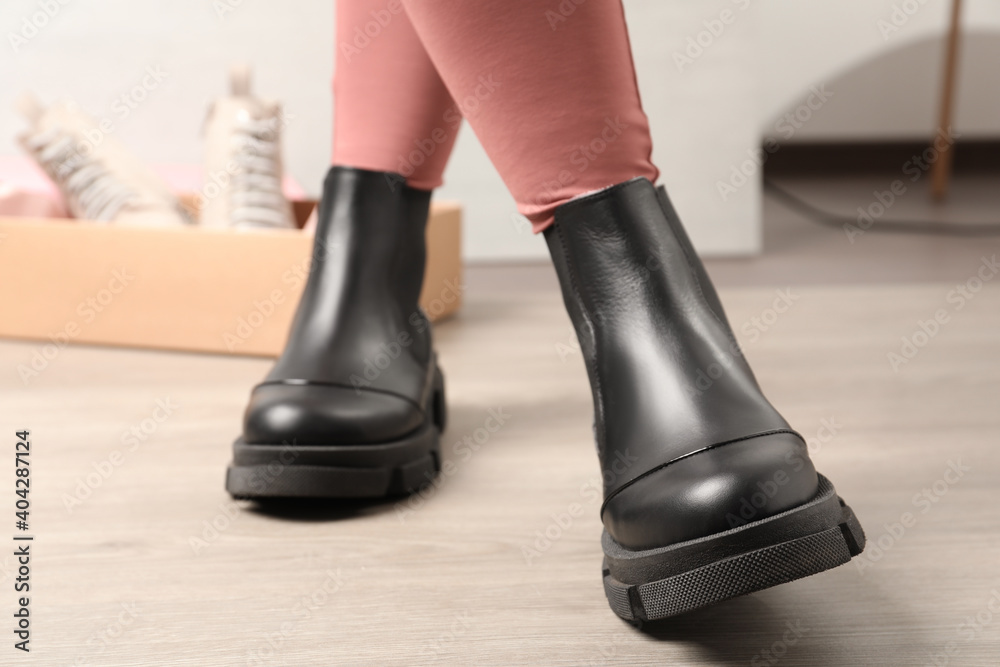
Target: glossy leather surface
x=321 y=414
x=701 y=276
x=358 y=365
x=683 y=431
x=713 y=491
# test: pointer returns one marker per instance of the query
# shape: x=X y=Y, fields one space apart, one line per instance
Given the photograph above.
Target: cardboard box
x=194 y=289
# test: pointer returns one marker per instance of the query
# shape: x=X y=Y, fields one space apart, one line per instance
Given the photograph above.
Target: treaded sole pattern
x=737 y=575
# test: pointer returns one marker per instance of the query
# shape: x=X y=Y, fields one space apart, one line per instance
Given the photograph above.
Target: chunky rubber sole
x=659 y=583
x=261 y=471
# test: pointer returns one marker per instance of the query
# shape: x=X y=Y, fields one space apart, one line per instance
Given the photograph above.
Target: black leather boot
x=708 y=493
x=354 y=407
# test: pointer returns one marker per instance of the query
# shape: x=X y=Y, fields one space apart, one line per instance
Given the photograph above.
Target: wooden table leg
x=941 y=172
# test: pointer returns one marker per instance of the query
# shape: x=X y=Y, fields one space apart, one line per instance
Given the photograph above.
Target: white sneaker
x=243 y=169
x=98 y=177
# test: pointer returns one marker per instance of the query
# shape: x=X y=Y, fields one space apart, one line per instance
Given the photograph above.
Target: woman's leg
x=552 y=99
x=392 y=112
x=708 y=492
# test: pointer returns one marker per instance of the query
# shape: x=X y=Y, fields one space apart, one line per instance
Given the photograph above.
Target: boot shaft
x=661 y=360
x=359 y=321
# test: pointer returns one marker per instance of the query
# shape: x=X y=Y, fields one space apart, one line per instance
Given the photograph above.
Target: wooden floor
x=141 y=559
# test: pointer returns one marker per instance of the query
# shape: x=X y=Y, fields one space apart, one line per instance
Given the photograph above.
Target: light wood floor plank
x=443 y=578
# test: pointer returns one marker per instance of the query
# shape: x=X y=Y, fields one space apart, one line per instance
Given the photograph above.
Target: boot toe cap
x=309 y=414
x=713 y=491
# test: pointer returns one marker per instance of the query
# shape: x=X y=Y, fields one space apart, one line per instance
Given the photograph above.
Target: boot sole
x=659 y=583
x=334 y=471
x=341 y=471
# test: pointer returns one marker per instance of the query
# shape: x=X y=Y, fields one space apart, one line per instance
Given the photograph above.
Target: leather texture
x=684 y=434
x=358 y=367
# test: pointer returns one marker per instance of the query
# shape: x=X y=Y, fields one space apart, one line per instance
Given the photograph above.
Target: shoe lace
x=256 y=196
x=93 y=191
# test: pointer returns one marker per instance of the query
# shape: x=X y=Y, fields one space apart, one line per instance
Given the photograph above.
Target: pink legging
x=548 y=87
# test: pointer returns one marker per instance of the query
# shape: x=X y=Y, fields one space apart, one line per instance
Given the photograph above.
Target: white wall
x=882 y=63
x=705 y=115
